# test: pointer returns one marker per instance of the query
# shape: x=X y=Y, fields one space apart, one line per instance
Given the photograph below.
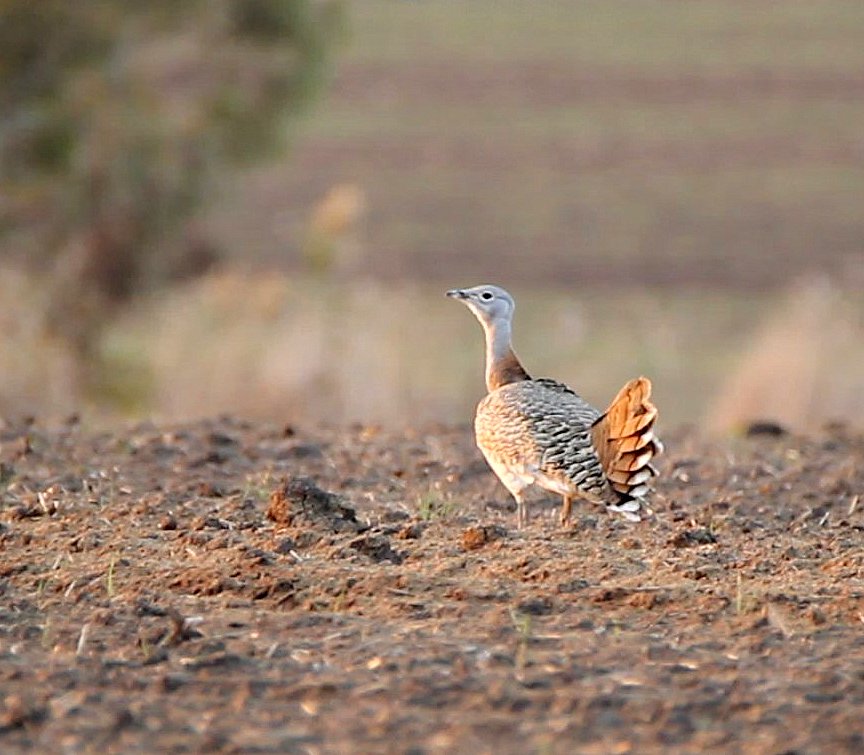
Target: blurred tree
x=117 y=116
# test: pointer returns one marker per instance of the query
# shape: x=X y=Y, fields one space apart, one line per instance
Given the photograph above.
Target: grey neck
x=502 y=364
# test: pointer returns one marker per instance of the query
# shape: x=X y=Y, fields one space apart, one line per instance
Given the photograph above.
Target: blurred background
x=255 y=206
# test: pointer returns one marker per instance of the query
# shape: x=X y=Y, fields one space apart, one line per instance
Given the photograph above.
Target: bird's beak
x=457 y=293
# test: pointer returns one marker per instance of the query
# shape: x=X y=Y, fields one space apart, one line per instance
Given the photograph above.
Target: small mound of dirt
x=539 y=606
x=413 y=531
x=476 y=537
x=298 y=500
x=378 y=548
x=765 y=428
x=696 y=536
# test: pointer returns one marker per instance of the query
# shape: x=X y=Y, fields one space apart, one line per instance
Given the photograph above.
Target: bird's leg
x=521 y=511
x=565 y=509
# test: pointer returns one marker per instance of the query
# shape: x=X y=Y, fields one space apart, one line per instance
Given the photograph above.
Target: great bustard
x=539 y=431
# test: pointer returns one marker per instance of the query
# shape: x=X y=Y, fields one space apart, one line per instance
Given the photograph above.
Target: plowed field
x=232 y=587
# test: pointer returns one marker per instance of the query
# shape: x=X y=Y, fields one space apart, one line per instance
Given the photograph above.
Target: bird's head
x=490 y=304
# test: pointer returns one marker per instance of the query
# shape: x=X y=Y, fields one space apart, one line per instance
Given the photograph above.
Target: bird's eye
x=486 y=296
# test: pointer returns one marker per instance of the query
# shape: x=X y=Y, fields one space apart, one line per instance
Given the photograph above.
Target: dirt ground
x=233 y=587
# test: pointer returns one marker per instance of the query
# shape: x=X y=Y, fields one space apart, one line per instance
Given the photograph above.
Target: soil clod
x=299 y=501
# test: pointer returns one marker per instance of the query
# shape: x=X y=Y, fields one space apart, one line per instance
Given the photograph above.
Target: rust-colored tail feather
x=624 y=439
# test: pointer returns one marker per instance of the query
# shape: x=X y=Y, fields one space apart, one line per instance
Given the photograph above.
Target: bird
x=538 y=431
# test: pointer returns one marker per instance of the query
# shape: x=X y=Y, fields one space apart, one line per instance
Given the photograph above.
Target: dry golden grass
x=804 y=365
x=39 y=374
x=304 y=349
